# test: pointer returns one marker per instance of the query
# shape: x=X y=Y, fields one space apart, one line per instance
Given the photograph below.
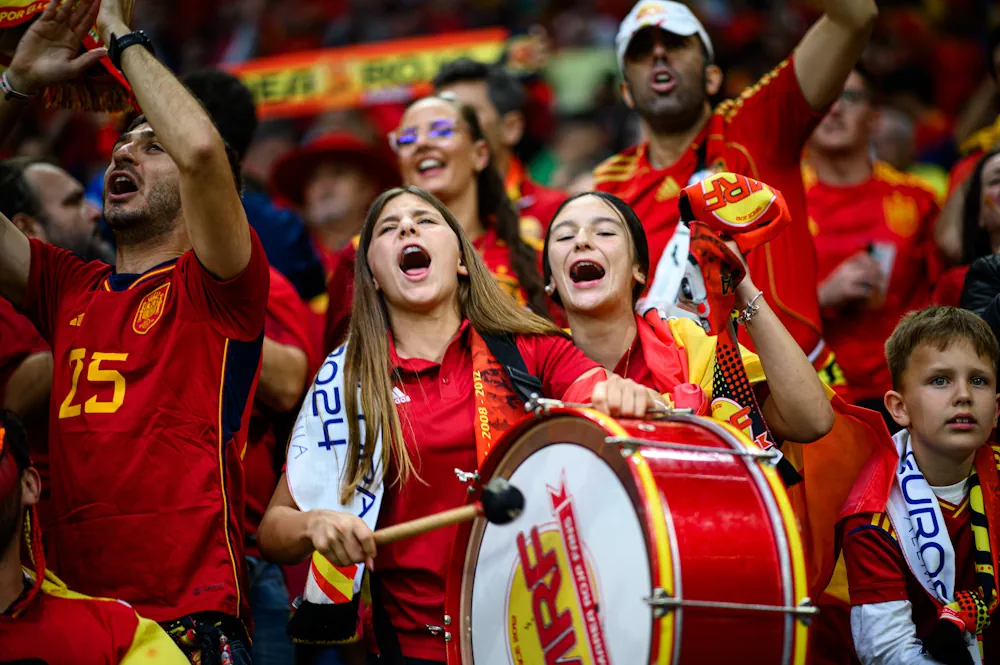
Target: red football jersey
x=536 y=204
x=18 y=340
x=60 y=626
x=878 y=573
x=288 y=323
x=760 y=135
x=154 y=377
x=893 y=214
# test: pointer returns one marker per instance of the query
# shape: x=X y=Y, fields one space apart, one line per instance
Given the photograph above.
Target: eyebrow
x=415 y=212
x=596 y=220
x=135 y=136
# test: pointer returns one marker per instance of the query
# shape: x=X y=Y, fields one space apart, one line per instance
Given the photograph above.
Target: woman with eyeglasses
x=424 y=307
x=441 y=149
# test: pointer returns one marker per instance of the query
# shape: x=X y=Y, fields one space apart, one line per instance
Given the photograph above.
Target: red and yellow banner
x=332 y=79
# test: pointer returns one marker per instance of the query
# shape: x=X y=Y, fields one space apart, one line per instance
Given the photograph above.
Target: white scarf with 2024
x=316 y=452
x=916 y=516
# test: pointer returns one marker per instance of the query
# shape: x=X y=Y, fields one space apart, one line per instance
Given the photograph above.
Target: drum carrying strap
x=504 y=350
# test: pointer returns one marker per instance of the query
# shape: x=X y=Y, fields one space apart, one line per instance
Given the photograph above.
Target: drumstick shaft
x=391 y=534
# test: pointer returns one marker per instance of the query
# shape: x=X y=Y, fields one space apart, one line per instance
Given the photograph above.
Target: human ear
x=637 y=274
x=462 y=268
x=512 y=128
x=896 y=407
x=31 y=487
x=480 y=155
x=627 y=95
x=713 y=80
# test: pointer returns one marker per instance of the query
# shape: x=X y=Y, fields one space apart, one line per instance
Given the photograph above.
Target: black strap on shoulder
x=390 y=652
x=505 y=350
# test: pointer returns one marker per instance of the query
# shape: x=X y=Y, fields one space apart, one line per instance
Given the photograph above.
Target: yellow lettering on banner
x=341 y=78
x=284 y=85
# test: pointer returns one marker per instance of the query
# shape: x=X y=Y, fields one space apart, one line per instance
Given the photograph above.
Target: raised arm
x=213 y=212
x=15 y=262
x=48 y=54
x=830 y=49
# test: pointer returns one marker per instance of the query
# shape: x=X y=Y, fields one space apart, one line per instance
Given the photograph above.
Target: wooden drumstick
x=502 y=502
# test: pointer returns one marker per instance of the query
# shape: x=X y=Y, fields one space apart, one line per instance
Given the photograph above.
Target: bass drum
x=665 y=541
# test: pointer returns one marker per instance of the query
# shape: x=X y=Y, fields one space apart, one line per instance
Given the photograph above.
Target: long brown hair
x=487 y=307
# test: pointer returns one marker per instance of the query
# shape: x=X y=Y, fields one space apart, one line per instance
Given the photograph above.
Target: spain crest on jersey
x=150 y=309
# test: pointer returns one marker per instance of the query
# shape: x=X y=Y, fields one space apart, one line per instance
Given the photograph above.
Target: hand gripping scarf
x=101 y=88
x=328 y=613
x=724 y=205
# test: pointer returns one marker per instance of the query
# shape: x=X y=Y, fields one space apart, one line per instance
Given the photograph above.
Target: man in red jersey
x=872 y=227
x=499 y=100
x=156 y=362
x=666 y=59
x=40 y=619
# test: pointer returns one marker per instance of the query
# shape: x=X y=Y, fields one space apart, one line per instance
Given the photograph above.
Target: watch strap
x=119 y=44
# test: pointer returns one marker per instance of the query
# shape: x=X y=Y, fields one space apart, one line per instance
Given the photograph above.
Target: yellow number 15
x=95 y=375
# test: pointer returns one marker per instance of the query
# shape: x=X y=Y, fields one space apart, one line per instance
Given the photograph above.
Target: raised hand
x=48 y=53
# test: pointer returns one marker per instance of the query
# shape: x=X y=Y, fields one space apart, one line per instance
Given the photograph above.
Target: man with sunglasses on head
x=156 y=362
x=666 y=58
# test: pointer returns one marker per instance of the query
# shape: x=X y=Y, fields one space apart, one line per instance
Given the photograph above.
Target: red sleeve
x=556 y=361
x=56 y=274
x=875 y=565
x=236 y=306
x=772 y=117
x=288 y=319
x=340 y=290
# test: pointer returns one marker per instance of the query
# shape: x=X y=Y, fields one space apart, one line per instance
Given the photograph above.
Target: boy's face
x=947 y=399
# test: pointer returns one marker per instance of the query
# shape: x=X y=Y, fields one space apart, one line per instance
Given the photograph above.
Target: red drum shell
x=649 y=514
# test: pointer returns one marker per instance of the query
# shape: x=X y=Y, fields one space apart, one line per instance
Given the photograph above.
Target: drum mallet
x=501 y=503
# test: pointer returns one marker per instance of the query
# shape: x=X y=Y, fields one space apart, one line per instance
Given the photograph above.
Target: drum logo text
x=553 y=604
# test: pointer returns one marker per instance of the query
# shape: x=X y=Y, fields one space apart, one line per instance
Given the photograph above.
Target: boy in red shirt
x=872 y=226
x=920 y=531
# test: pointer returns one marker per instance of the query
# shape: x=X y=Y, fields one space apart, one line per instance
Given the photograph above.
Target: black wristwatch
x=119 y=44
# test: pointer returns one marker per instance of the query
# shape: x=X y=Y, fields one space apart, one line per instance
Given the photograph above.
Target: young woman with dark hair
x=596 y=264
x=424 y=301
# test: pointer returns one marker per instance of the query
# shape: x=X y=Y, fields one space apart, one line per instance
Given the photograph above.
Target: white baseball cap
x=667 y=15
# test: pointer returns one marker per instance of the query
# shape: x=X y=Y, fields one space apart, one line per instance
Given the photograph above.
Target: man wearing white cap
x=666 y=58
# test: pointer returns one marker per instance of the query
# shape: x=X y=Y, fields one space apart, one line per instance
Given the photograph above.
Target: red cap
x=289 y=174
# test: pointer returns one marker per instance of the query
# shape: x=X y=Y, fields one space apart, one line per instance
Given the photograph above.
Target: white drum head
x=581 y=595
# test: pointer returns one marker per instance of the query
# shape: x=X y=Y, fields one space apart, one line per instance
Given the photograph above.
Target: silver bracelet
x=8 y=90
x=750 y=310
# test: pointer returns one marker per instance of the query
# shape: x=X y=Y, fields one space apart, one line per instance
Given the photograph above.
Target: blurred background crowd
x=929 y=57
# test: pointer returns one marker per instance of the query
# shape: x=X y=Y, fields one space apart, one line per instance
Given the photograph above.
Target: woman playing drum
x=596 y=264
x=424 y=301
x=441 y=149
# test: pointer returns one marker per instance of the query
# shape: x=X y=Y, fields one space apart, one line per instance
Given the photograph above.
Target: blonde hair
x=487 y=307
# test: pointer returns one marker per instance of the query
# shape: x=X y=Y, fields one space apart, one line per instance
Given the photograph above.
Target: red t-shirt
x=536 y=204
x=896 y=213
x=948 y=290
x=287 y=322
x=760 y=135
x=18 y=340
x=877 y=572
x=438 y=425
x=63 y=627
x=154 y=377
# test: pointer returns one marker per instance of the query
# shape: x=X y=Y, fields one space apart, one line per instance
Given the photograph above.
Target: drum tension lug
x=660 y=601
x=447 y=620
x=468 y=477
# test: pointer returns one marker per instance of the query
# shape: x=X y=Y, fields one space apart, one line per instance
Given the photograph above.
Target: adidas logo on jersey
x=398 y=396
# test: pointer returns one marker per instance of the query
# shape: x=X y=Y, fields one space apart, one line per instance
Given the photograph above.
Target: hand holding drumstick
x=345 y=539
